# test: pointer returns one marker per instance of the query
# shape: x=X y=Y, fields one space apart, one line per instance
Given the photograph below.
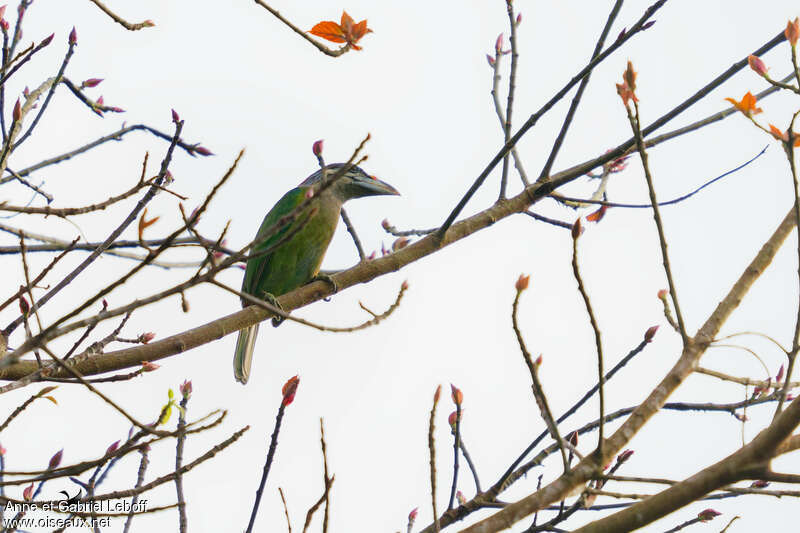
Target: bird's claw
x=271 y=300
x=329 y=280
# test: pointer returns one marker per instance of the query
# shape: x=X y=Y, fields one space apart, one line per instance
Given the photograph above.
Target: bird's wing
x=256 y=266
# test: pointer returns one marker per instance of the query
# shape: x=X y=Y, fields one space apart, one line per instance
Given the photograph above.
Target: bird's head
x=354 y=183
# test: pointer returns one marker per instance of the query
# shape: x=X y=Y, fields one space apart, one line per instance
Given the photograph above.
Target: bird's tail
x=244 y=353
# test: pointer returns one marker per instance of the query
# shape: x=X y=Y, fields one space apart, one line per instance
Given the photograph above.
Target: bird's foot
x=271 y=300
x=329 y=280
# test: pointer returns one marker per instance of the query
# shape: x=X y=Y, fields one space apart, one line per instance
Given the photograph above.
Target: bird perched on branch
x=293 y=239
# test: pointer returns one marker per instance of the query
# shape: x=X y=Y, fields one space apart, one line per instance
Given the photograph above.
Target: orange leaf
x=598 y=215
x=778 y=134
x=627 y=88
x=347 y=31
x=329 y=31
x=747 y=105
x=792 y=31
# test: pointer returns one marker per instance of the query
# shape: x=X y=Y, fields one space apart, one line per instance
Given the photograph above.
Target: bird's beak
x=375 y=187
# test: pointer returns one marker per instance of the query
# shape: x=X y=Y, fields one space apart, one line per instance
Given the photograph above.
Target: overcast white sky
x=241 y=79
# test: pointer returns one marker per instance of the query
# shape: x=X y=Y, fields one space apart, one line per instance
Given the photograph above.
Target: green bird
x=296 y=259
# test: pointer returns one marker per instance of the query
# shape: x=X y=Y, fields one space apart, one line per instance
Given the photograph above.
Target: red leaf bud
x=316 y=148
x=56 y=459
x=73 y=37
x=522 y=282
x=624 y=456
x=186 y=388
x=111 y=449
x=708 y=515
x=457 y=395
x=91 y=82
x=650 y=333
x=175 y=117
x=757 y=65
x=289 y=390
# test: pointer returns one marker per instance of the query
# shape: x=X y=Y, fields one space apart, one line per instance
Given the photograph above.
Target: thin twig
x=596 y=329
x=536 y=386
x=432 y=457
x=321 y=47
x=273 y=444
x=119 y=20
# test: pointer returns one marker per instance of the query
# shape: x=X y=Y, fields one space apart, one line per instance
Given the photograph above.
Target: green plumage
x=294 y=262
x=298 y=248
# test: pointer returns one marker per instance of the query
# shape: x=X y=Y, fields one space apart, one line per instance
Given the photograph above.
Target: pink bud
x=17 y=113
x=624 y=456
x=91 y=82
x=498 y=44
x=2 y=449
x=316 y=148
x=662 y=294
x=456 y=394
x=73 y=37
x=56 y=459
x=708 y=514
x=413 y=514
x=111 y=449
x=779 y=375
x=650 y=333
x=27 y=494
x=105 y=304
x=519 y=19
x=522 y=282
x=148 y=23
x=452 y=419
x=100 y=100
x=23 y=305
x=404 y=285
x=115 y=109
x=144 y=338
x=385 y=224
x=48 y=40
x=460 y=497
x=538 y=362
x=202 y=150
x=186 y=389
x=490 y=59
x=4 y=24
x=757 y=65
x=372 y=256
x=147 y=366
x=175 y=117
